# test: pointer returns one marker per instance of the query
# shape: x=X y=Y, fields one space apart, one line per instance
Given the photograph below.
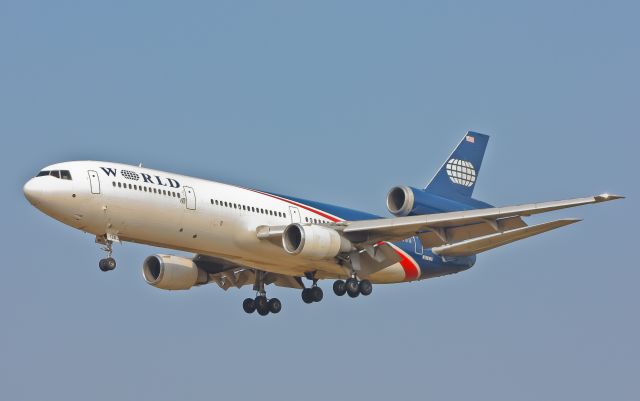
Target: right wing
x=444 y=226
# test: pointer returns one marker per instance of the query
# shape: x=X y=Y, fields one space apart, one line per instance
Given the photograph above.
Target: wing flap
x=481 y=244
x=451 y=235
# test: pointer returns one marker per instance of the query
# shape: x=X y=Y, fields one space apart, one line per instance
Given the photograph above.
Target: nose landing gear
x=108 y=263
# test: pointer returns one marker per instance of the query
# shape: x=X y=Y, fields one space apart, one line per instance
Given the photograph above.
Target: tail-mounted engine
x=401 y=200
x=409 y=201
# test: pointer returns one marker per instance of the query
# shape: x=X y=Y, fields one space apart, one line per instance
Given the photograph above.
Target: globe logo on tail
x=461 y=172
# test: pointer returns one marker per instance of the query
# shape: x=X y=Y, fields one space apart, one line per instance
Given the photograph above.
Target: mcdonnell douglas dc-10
x=241 y=236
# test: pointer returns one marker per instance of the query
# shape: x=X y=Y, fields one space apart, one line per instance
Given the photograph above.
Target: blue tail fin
x=457 y=177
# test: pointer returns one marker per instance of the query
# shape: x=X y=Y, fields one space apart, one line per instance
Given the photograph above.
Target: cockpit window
x=63 y=174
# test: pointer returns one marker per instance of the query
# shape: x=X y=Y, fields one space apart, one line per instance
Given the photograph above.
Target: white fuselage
x=173 y=211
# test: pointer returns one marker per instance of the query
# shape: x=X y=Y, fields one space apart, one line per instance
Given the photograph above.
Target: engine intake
x=313 y=242
x=400 y=200
x=171 y=272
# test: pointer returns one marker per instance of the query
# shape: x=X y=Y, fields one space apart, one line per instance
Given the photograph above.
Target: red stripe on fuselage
x=411 y=271
x=316 y=211
x=410 y=266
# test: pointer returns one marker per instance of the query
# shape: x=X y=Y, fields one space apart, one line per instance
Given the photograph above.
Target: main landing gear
x=313 y=293
x=353 y=287
x=108 y=263
x=260 y=303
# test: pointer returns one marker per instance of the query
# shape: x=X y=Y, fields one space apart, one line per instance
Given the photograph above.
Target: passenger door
x=190 y=197
x=94 y=181
x=295 y=214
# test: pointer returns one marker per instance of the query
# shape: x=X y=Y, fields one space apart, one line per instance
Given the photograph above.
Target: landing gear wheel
x=365 y=287
x=339 y=288
x=306 y=296
x=249 y=305
x=352 y=287
x=316 y=294
x=107 y=264
x=275 y=305
x=262 y=305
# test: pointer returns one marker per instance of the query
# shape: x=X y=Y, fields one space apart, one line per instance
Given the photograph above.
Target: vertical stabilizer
x=457 y=177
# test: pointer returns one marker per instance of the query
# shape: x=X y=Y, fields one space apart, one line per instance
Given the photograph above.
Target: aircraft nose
x=32 y=192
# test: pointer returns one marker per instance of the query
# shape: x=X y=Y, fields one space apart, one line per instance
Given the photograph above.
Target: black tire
x=365 y=287
x=352 y=287
x=262 y=305
x=339 y=288
x=107 y=264
x=316 y=294
x=275 y=305
x=249 y=305
x=111 y=263
x=306 y=296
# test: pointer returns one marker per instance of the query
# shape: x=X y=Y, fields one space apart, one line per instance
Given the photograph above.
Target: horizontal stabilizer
x=487 y=242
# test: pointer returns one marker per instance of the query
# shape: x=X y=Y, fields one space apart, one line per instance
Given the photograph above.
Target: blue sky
x=335 y=101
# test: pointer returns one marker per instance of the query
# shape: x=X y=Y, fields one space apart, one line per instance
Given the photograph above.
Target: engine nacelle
x=171 y=272
x=314 y=242
x=409 y=201
x=400 y=200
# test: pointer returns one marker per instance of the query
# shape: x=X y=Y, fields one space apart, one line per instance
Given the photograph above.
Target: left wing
x=229 y=274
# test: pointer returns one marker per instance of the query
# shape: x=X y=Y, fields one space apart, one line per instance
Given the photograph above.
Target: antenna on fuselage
x=140 y=165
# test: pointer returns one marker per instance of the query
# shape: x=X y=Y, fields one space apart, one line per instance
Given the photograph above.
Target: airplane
x=242 y=236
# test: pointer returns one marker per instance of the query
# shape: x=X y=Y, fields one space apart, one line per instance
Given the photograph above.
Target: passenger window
x=284 y=215
x=135 y=187
x=130 y=186
x=119 y=185
x=114 y=183
x=65 y=175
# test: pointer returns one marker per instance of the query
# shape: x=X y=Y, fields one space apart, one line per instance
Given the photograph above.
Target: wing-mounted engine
x=314 y=242
x=171 y=272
